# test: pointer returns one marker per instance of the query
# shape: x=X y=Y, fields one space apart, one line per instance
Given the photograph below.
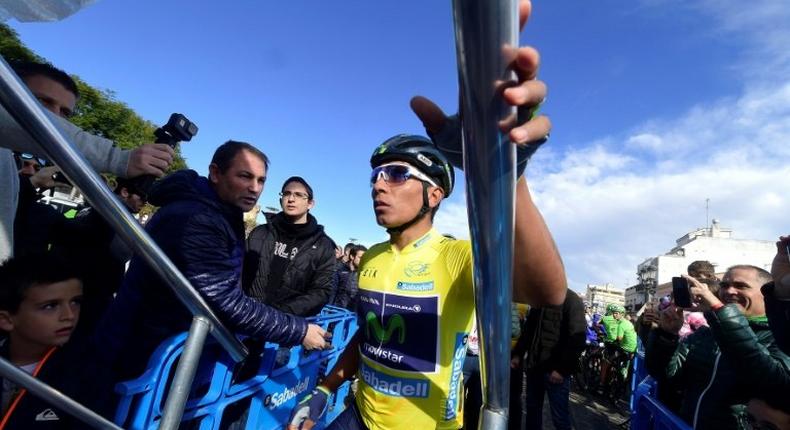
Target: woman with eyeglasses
x=290 y=261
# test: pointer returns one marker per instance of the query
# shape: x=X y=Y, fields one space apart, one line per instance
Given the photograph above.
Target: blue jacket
x=204 y=238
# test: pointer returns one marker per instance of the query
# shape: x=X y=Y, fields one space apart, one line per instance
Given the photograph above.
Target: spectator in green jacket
x=718 y=369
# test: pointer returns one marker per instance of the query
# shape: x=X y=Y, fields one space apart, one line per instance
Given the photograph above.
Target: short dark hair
x=19 y=274
x=132 y=187
x=300 y=180
x=701 y=267
x=226 y=152
x=27 y=69
x=762 y=275
x=356 y=249
x=348 y=246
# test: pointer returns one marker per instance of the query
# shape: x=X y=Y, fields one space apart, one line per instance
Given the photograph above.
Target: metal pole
x=21 y=105
x=53 y=396
x=485 y=31
x=185 y=373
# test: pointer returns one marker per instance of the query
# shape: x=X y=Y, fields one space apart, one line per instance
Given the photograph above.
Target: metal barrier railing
x=23 y=108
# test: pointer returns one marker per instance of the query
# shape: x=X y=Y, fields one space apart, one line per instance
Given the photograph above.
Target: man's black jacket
x=308 y=282
x=554 y=336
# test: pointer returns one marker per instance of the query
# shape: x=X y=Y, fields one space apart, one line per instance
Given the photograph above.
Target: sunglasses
x=23 y=156
x=398 y=174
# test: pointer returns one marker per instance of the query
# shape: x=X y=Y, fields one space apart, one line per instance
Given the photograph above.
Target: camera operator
x=58 y=94
x=719 y=368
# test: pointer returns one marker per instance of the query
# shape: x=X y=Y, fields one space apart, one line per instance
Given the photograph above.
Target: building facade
x=635 y=297
x=598 y=296
x=714 y=244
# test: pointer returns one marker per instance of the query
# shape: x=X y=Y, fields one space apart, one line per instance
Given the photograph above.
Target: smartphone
x=681 y=294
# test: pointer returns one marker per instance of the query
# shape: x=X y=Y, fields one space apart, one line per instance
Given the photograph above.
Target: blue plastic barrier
x=257 y=394
x=647 y=413
x=639 y=372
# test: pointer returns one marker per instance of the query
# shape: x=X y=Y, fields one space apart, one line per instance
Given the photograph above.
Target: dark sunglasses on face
x=397 y=174
x=23 y=156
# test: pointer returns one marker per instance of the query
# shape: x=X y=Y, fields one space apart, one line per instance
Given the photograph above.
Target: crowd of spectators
x=722 y=363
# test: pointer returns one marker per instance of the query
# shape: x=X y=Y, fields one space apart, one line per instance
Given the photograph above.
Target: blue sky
x=656 y=105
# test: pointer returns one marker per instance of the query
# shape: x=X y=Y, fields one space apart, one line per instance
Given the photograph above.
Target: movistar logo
x=384 y=334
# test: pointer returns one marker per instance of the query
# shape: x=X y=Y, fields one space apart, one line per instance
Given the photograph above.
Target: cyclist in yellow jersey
x=416 y=300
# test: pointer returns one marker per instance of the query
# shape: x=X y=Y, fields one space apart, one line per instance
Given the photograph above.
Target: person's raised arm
x=101 y=153
x=538 y=275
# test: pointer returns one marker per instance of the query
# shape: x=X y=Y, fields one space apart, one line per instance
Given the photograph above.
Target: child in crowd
x=39 y=310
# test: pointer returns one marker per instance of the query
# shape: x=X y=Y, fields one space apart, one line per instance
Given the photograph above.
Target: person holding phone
x=718 y=369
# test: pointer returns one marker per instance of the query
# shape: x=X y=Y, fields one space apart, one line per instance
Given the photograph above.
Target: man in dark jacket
x=348 y=280
x=720 y=368
x=553 y=338
x=290 y=261
x=200 y=227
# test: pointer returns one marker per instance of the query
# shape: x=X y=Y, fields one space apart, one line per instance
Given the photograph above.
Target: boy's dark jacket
x=70 y=370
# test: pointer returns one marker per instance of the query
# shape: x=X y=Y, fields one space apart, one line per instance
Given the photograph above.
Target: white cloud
x=609 y=206
x=646 y=141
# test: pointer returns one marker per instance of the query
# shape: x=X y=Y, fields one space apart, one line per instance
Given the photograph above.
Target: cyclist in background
x=609 y=324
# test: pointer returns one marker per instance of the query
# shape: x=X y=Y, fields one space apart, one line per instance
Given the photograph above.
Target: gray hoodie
x=101 y=153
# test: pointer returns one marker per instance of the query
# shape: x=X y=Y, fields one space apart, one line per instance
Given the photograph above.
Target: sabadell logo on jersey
x=274 y=400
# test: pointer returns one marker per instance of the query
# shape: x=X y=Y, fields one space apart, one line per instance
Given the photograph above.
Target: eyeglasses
x=295 y=194
x=398 y=174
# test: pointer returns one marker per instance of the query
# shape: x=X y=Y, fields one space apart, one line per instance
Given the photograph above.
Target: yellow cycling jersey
x=415 y=311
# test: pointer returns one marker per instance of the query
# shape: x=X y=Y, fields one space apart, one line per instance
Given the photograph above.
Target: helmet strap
x=423 y=210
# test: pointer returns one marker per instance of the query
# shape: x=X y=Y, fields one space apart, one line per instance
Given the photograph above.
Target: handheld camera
x=178 y=129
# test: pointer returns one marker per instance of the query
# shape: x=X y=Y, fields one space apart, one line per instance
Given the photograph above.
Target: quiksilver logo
x=47 y=415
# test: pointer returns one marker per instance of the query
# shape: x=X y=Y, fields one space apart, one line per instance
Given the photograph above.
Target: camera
x=178 y=129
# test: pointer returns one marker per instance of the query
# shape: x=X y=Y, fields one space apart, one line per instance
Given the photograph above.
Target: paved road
x=591 y=412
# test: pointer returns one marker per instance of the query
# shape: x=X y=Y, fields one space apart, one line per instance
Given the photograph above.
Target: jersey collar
x=425 y=240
